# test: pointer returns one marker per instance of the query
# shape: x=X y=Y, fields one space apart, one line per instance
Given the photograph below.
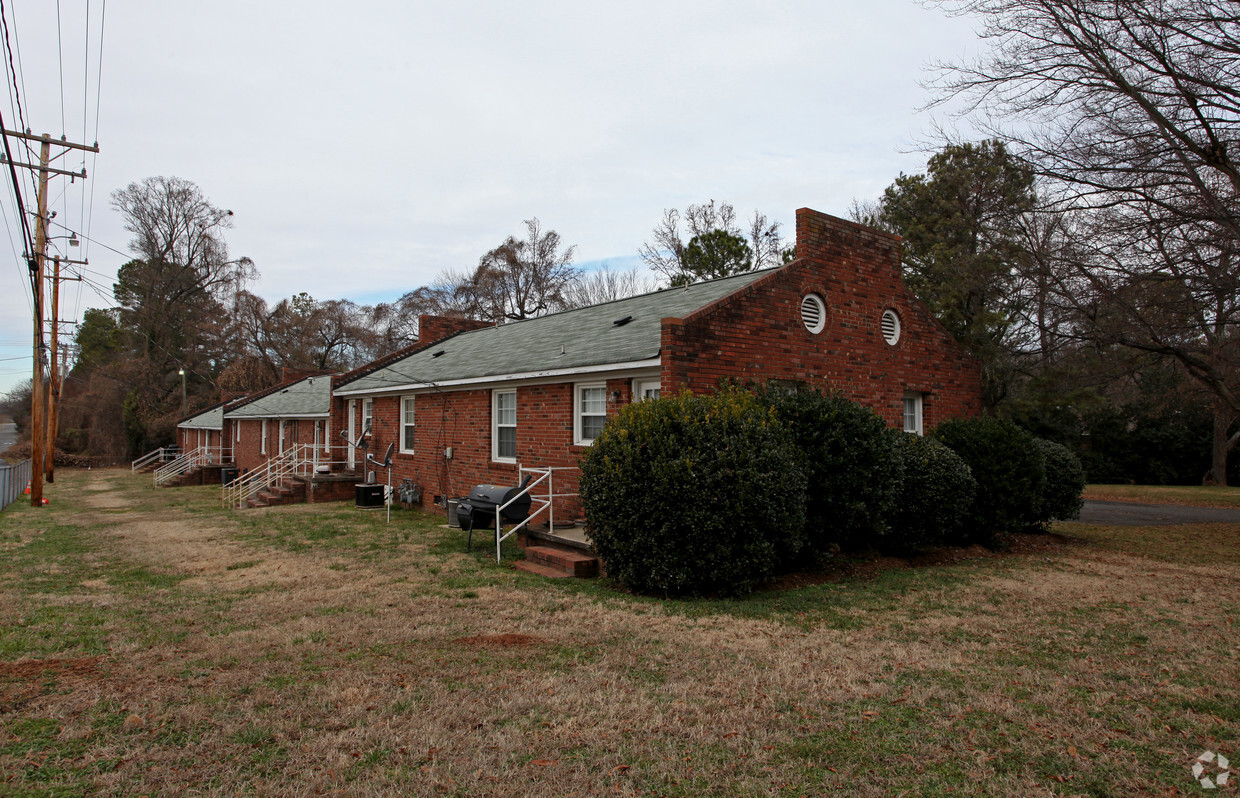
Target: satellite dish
x=386 y=462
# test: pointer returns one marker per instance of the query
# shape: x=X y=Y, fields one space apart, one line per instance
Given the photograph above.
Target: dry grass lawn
x=152 y=643
x=1196 y=495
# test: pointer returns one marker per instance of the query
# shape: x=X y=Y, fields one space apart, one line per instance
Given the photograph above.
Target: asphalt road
x=8 y=435
x=1130 y=514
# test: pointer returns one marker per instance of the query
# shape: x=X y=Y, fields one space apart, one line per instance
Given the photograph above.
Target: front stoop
x=557 y=562
x=279 y=494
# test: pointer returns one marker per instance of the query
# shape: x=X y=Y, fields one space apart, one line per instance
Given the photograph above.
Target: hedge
x=852 y=469
x=694 y=494
x=936 y=497
x=1009 y=469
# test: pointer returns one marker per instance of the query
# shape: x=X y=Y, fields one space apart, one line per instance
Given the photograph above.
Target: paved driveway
x=1131 y=514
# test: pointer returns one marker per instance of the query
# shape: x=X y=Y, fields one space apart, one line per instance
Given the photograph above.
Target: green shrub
x=936 y=497
x=1009 y=469
x=851 y=466
x=694 y=494
x=1065 y=481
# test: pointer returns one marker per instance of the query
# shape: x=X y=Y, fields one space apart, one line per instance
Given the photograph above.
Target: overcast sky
x=366 y=146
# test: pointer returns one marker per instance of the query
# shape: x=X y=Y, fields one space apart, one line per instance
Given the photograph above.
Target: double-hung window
x=912 y=413
x=591 y=412
x=368 y=415
x=406 y=424
x=504 y=426
x=262 y=446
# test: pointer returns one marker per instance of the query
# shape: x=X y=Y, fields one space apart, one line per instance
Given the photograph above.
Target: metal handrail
x=547 y=499
x=274 y=471
x=163 y=454
x=175 y=467
x=195 y=458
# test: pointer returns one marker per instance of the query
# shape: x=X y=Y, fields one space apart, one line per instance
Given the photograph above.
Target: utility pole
x=38 y=398
x=55 y=377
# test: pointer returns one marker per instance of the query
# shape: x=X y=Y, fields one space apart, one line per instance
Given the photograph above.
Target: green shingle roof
x=208 y=419
x=586 y=337
x=302 y=399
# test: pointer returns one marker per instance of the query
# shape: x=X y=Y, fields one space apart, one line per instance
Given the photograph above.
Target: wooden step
x=572 y=563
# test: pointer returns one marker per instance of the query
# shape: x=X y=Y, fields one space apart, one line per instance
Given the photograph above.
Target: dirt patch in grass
x=41 y=668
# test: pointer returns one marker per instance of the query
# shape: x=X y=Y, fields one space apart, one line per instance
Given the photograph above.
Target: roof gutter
x=653 y=362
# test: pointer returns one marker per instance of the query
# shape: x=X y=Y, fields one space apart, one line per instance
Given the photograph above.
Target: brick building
x=267 y=423
x=471 y=407
x=204 y=429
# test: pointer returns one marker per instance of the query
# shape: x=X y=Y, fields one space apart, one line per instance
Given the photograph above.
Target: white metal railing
x=161 y=455
x=186 y=462
x=297 y=459
x=172 y=468
x=546 y=503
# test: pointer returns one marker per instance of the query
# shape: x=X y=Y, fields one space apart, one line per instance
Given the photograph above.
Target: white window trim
x=280 y=448
x=368 y=416
x=237 y=429
x=578 y=388
x=495 y=425
x=641 y=386
x=262 y=446
x=919 y=408
x=405 y=424
x=352 y=450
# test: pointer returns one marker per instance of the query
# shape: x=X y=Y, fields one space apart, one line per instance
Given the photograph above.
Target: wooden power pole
x=39 y=456
x=55 y=377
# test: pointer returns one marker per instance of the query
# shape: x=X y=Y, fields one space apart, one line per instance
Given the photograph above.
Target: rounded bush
x=694 y=494
x=936 y=497
x=1009 y=469
x=1065 y=481
x=851 y=466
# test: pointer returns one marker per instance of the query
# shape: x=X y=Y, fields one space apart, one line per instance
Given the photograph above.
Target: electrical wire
x=94 y=156
x=60 y=52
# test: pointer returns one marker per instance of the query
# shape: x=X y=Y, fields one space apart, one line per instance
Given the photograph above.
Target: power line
x=60 y=51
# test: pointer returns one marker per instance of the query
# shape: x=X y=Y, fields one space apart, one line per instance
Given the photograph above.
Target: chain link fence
x=13 y=479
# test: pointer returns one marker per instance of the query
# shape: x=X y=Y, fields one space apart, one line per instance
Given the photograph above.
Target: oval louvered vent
x=891 y=327
x=813 y=313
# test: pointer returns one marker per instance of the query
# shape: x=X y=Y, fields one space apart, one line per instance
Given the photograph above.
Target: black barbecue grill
x=478 y=510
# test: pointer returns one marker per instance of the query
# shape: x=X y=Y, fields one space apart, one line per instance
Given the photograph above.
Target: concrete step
x=572 y=563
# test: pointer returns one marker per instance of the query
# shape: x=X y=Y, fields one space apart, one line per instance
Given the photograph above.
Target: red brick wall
x=191 y=439
x=247 y=453
x=462 y=420
x=758 y=333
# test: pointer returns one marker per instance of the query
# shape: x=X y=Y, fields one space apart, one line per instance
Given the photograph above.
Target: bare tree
x=664 y=253
x=176 y=227
x=1130 y=113
x=606 y=285
x=521 y=279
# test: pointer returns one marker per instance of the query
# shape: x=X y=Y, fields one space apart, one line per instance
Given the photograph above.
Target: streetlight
x=184 y=395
